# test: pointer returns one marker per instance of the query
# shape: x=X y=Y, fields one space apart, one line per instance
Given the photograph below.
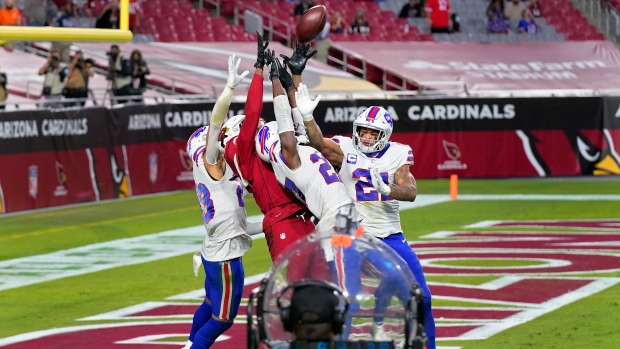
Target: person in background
x=496 y=22
x=438 y=13
x=337 y=25
x=54 y=80
x=134 y=14
x=35 y=12
x=535 y=8
x=323 y=43
x=9 y=15
x=66 y=18
x=412 y=9
x=120 y=73
x=77 y=80
x=528 y=24
x=302 y=6
x=514 y=10
x=139 y=71
x=360 y=23
x=455 y=22
x=3 y=91
x=109 y=16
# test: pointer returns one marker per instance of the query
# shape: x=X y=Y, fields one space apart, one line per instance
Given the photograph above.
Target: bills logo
x=263 y=136
x=351 y=159
x=33 y=181
x=153 y=167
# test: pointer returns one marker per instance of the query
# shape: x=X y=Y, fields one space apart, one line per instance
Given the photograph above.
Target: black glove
x=297 y=62
x=270 y=59
x=260 y=51
x=285 y=78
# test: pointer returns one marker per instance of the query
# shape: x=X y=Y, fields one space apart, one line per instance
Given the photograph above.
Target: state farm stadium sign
x=518 y=71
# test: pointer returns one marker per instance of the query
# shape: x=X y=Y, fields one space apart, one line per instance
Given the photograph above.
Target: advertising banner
x=50 y=158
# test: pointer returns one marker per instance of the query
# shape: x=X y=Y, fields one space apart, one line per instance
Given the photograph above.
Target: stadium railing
x=603 y=15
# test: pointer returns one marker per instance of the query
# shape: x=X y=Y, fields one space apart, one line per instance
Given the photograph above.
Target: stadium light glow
x=23 y=33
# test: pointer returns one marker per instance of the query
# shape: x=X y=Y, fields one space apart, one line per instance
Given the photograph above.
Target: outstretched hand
x=305 y=104
x=260 y=51
x=297 y=62
x=234 y=79
x=272 y=62
x=378 y=183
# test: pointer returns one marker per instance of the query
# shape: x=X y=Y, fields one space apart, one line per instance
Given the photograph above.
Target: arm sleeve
x=217 y=119
x=245 y=140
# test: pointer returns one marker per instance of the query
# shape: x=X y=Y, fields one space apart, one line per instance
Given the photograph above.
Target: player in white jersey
x=300 y=169
x=376 y=174
x=220 y=196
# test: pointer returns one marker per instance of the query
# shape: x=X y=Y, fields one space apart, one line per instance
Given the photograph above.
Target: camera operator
x=139 y=72
x=120 y=73
x=77 y=80
x=54 y=81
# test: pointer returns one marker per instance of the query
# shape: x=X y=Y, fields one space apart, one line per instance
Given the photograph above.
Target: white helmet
x=197 y=140
x=266 y=139
x=375 y=118
x=230 y=129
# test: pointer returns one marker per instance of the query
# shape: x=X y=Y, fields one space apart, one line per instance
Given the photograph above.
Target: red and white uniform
x=286 y=218
x=439 y=13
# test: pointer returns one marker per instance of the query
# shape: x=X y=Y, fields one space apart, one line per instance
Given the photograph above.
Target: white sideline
x=96 y=257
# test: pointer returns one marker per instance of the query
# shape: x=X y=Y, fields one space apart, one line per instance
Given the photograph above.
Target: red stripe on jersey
x=226 y=291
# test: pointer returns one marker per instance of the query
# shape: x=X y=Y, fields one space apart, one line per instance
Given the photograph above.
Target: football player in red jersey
x=286 y=219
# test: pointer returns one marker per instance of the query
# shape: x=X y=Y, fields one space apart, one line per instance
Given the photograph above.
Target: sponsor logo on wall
x=33 y=181
x=153 y=167
x=60 y=190
x=454 y=158
x=186 y=175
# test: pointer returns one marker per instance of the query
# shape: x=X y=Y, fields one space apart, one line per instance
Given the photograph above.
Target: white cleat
x=188 y=345
x=378 y=334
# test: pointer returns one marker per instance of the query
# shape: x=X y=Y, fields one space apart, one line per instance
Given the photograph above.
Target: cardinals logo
x=454 y=154
x=60 y=190
x=452 y=150
x=188 y=165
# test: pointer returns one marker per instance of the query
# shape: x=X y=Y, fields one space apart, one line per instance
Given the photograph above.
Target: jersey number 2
x=363 y=190
x=325 y=168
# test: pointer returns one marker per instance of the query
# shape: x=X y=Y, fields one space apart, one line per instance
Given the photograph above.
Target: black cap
x=313 y=305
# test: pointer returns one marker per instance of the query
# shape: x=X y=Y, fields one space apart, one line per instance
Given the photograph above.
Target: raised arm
x=327 y=147
x=213 y=160
x=253 y=108
x=282 y=111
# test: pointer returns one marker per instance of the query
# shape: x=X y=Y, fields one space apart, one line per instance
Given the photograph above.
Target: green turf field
x=591 y=322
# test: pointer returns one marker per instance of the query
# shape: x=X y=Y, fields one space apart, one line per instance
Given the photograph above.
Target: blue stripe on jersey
x=379 y=154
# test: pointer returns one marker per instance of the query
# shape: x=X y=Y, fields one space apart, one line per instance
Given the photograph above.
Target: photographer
x=120 y=73
x=77 y=79
x=3 y=91
x=139 y=72
x=54 y=81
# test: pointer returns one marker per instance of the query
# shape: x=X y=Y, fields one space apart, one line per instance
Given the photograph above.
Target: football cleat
x=378 y=334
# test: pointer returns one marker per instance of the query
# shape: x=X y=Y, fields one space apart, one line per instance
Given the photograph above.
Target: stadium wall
x=51 y=158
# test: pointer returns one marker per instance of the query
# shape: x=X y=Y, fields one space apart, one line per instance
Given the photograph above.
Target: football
x=311 y=23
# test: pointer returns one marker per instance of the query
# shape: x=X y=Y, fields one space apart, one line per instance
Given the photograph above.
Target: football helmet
x=198 y=139
x=375 y=118
x=230 y=129
x=265 y=139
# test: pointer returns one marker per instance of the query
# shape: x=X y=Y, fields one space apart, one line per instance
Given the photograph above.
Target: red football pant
x=284 y=233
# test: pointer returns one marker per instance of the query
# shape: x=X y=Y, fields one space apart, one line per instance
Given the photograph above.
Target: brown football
x=311 y=23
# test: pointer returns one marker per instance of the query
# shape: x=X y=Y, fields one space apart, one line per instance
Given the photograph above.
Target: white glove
x=304 y=103
x=378 y=182
x=234 y=79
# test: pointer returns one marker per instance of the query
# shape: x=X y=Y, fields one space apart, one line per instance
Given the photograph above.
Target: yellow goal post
x=24 y=33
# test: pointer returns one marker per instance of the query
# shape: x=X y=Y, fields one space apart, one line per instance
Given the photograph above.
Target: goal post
x=24 y=33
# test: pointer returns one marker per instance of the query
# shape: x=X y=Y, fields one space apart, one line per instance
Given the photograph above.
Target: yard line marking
x=147 y=248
